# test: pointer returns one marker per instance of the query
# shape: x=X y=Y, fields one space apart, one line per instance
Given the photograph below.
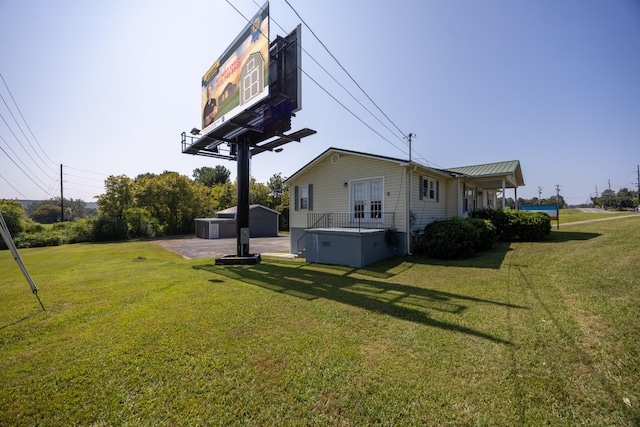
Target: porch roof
x=490 y=175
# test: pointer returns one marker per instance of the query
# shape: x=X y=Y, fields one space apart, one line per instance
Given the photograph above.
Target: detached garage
x=263 y=222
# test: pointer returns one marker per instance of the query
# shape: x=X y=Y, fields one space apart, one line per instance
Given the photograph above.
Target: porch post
x=504 y=194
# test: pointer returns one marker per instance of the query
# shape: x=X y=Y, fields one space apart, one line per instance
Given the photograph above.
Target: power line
x=402 y=138
x=25 y=121
x=22 y=170
x=21 y=130
x=346 y=108
x=21 y=145
x=334 y=79
x=343 y=69
x=14 y=188
x=326 y=91
x=23 y=163
x=86 y=171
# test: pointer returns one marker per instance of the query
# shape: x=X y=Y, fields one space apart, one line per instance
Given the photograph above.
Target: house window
x=304 y=197
x=429 y=189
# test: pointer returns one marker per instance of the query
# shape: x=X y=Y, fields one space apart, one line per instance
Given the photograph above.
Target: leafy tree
x=174 y=200
x=224 y=196
x=12 y=212
x=46 y=213
x=625 y=198
x=73 y=209
x=277 y=188
x=259 y=193
x=146 y=175
x=140 y=223
x=212 y=176
x=117 y=198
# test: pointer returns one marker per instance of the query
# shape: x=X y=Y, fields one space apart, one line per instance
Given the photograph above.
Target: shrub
x=140 y=223
x=452 y=238
x=487 y=233
x=517 y=226
x=109 y=229
x=40 y=239
x=529 y=226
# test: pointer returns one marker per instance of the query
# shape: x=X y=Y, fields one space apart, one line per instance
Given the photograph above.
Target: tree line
x=623 y=199
x=145 y=206
x=608 y=199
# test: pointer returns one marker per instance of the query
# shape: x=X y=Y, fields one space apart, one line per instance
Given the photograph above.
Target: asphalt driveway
x=213 y=248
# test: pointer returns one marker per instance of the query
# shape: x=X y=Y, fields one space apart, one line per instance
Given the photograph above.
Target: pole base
x=250 y=259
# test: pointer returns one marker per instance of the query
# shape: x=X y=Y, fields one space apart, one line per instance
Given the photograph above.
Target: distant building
x=263 y=222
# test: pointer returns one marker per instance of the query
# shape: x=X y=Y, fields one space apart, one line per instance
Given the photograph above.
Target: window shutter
x=437 y=191
x=310 y=205
x=296 y=198
x=421 y=195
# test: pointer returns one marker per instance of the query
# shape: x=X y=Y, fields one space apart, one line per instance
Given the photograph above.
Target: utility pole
x=411 y=135
x=539 y=194
x=557 y=207
x=61 y=196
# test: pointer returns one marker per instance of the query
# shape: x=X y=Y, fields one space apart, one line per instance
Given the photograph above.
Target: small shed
x=215 y=228
x=263 y=222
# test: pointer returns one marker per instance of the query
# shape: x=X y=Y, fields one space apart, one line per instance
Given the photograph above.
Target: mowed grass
x=525 y=334
x=574 y=214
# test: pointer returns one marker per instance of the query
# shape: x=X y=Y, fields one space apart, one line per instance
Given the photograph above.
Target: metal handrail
x=351 y=220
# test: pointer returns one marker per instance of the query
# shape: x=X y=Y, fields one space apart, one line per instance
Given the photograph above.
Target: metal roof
x=497 y=169
x=234 y=209
x=489 y=175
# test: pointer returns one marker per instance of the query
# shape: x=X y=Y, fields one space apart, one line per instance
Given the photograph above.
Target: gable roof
x=489 y=175
x=234 y=209
x=332 y=150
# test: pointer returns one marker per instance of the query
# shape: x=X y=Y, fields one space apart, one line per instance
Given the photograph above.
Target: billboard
x=551 y=210
x=240 y=77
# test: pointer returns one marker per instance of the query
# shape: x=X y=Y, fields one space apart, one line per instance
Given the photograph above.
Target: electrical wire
x=336 y=80
x=25 y=121
x=14 y=188
x=323 y=88
x=55 y=181
x=23 y=134
x=23 y=148
x=23 y=163
x=402 y=138
x=22 y=170
x=344 y=69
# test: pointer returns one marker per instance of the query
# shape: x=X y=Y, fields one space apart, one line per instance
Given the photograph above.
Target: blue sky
x=107 y=87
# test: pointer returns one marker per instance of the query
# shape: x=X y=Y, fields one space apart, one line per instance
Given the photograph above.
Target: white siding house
x=355 y=191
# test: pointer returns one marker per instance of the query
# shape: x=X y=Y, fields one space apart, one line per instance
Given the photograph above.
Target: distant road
x=603 y=211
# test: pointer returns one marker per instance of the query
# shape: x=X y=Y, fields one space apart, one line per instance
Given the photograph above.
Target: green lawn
x=525 y=334
x=574 y=215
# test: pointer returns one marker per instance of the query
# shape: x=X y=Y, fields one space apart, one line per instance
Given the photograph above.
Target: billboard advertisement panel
x=551 y=210
x=240 y=77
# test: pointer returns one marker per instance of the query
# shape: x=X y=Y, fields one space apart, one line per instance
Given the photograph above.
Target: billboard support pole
x=242 y=213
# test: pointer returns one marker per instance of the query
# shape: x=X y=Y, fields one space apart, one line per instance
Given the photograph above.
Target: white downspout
x=410 y=208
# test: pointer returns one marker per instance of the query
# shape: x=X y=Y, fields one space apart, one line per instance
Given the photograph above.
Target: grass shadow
x=311 y=282
x=560 y=236
x=492 y=258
